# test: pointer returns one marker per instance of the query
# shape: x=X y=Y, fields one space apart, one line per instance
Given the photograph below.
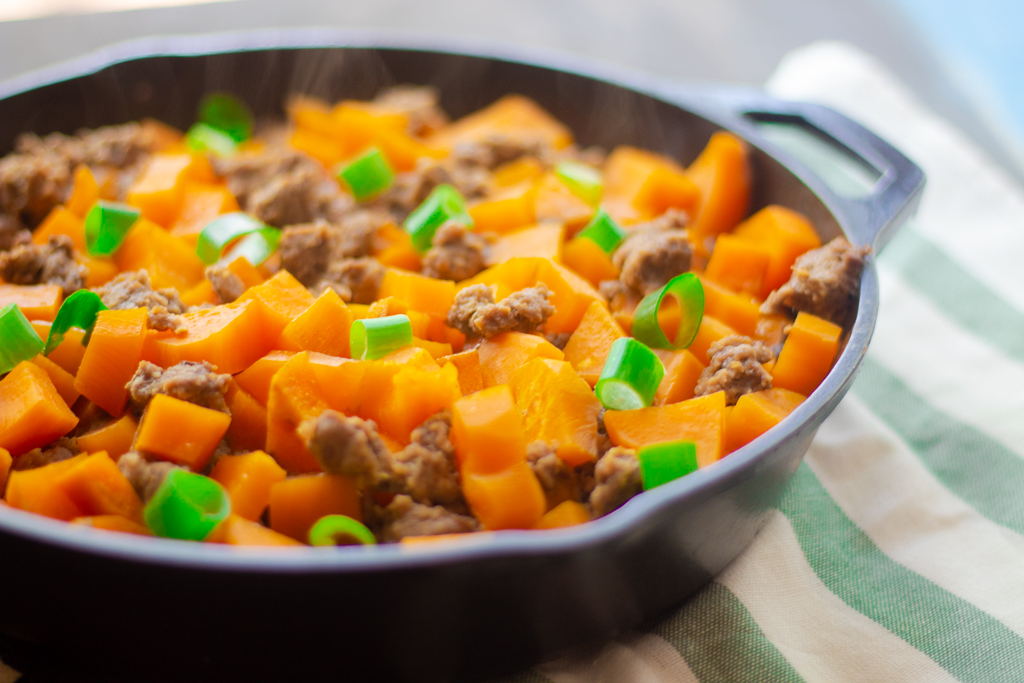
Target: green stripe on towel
x=721 y=643
x=967 y=642
x=977 y=468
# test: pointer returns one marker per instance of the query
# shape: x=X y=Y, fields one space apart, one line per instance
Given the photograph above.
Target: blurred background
x=961 y=57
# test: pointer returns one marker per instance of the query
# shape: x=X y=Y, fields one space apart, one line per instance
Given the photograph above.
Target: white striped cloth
x=898 y=552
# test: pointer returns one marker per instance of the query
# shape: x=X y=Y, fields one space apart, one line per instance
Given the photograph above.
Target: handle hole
x=844 y=172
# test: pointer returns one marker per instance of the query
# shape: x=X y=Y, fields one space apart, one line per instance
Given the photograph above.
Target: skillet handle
x=871 y=216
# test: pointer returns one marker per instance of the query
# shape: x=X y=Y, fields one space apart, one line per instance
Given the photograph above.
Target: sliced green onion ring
x=603 y=231
x=689 y=293
x=187 y=506
x=203 y=137
x=334 y=530
x=255 y=247
x=227 y=114
x=223 y=229
x=582 y=180
x=106 y=225
x=368 y=175
x=661 y=463
x=78 y=310
x=373 y=338
x=630 y=377
x=444 y=204
x=18 y=339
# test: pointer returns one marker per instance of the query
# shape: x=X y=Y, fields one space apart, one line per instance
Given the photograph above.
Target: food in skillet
x=373 y=325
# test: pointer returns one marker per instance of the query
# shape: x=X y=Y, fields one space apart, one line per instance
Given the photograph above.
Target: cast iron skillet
x=452 y=611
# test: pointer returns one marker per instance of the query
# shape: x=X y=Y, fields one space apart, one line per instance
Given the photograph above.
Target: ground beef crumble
x=226 y=285
x=823 y=283
x=559 y=481
x=196 y=383
x=654 y=253
x=38 y=176
x=404 y=517
x=308 y=250
x=458 y=253
x=420 y=104
x=283 y=187
x=51 y=263
x=354 y=279
x=134 y=289
x=61 y=449
x=351 y=447
x=735 y=368
x=426 y=467
x=617 y=479
x=144 y=476
x=12 y=232
x=475 y=313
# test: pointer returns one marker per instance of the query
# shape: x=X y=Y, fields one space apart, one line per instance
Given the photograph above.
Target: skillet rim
x=615 y=527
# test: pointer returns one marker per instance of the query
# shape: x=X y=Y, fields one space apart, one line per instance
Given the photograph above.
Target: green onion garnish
x=187 y=506
x=227 y=114
x=603 y=231
x=368 y=175
x=18 y=339
x=340 y=530
x=444 y=204
x=256 y=247
x=106 y=224
x=661 y=463
x=584 y=181
x=630 y=377
x=689 y=292
x=78 y=310
x=223 y=229
x=373 y=338
x=203 y=137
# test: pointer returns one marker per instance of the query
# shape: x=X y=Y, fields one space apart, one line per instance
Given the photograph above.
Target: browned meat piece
x=559 y=481
x=412 y=187
x=349 y=446
x=499 y=148
x=51 y=263
x=196 y=383
x=475 y=313
x=651 y=257
x=38 y=176
x=355 y=233
x=12 y=232
x=283 y=187
x=823 y=283
x=226 y=285
x=558 y=339
x=361 y=277
x=617 y=479
x=144 y=476
x=134 y=289
x=735 y=368
x=117 y=146
x=288 y=198
x=306 y=250
x=457 y=254
x=61 y=449
x=404 y=517
x=418 y=103
x=426 y=467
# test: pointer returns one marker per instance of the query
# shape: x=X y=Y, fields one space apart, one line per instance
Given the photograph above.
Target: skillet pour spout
x=140 y=609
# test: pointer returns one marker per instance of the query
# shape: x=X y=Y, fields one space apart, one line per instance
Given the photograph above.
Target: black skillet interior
x=442 y=614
